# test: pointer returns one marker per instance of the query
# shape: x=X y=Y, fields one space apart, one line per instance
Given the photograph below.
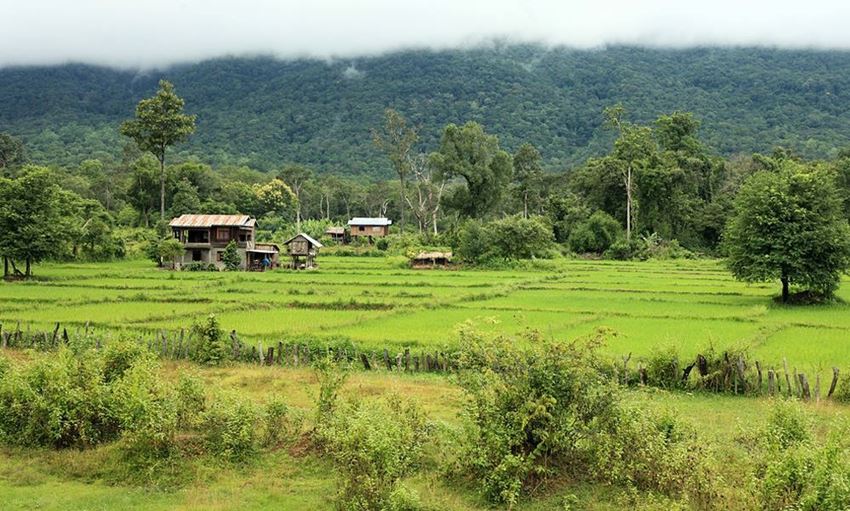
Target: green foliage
x=374 y=443
x=211 y=347
x=231 y=258
x=789 y=226
x=169 y=249
x=331 y=378
x=191 y=400
x=506 y=239
x=229 y=425
x=469 y=153
x=596 y=234
x=199 y=266
x=283 y=424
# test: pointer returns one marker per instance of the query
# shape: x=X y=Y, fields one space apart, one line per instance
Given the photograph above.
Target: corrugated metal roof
x=433 y=255
x=212 y=221
x=335 y=230
x=370 y=221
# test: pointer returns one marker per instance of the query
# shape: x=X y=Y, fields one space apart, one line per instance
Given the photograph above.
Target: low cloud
x=156 y=33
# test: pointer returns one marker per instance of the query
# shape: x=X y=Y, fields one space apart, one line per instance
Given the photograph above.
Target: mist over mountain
x=263 y=112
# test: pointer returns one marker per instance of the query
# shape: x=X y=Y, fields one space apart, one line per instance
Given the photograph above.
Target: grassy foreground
x=378 y=303
x=297 y=478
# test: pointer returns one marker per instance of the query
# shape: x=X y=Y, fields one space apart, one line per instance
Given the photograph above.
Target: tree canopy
x=788 y=226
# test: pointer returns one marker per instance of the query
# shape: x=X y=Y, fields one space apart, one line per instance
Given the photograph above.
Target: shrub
x=473 y=242
x=375 y=443
x=596 y=234
x=230 y=257
x=229 y=425
x=59 y=401
x=148 y=413
x=842 y=389
x=199 y=266
x=382 y=244
x=191 y=401
x=121 y=355
x=662 y=368
x=331 y=377
x=531 y=410
x=211 y=347
x=283 y=424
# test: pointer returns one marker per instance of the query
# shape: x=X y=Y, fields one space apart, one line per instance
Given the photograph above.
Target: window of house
x=361 y=228
x=196 y=255
x=222 y=234
x=218 y=255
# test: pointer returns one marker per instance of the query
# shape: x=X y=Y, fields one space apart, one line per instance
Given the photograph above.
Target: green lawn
x=377 y=303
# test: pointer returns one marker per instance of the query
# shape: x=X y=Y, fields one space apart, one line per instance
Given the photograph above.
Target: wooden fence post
x=428 y=362
x=798 y=391
x=234 y=344
x=65 y=335
x=742 y=375
x=804 y=387
x=834 y=381
x=641 y=374
x=406 y=359
x=55 y=336
x=398 y=365
x=366 y=365
x=817 y=387
x=758 y=368
x=416 y=363
x=787 y=377
x=771 y=383
x=626 y=369
x=387 y=359
x=270 y=356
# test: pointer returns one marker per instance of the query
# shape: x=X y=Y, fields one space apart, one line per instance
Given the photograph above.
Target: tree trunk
x=629 y=203
x=401 y=202
x=525 y=205
x=5 y=266
x=162 y=186
x=28 y=271
x=785 y=293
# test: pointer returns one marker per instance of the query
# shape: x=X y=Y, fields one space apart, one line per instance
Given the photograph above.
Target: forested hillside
x=263 y=112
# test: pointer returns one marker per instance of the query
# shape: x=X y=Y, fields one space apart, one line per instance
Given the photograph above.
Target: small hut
x=302 y=251
x=336 y=234
x=427 y=260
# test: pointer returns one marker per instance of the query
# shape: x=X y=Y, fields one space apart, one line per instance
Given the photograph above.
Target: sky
x=146 y=34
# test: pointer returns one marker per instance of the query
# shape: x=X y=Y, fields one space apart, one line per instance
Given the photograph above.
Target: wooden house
x=302 y=251
x=336 y=234
x=427 y=260
x=205 y=237
x=369 y=227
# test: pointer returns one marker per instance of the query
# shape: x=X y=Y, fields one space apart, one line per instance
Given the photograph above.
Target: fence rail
x=723 y=373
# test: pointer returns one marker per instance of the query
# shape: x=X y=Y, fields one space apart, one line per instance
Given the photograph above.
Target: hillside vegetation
x=262 y=112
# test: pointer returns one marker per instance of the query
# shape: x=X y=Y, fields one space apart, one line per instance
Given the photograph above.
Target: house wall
x=370 y=230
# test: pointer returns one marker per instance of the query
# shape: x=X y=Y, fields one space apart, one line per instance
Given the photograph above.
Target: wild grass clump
x=229 y=426
x=211 y=347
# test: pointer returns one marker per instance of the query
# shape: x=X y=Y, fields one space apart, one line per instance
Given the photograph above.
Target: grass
x=376 y=303
x=283 y=479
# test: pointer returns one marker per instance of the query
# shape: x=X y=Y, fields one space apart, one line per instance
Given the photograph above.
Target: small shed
x=427 y=260
x=302 y=251
x=336 y=234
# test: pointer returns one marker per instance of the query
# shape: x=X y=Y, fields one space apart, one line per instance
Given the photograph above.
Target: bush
x=191 y=401
x=375 y=443
x=230 y=257
x=283 y=424
x=119 y=356
x=473 y=242
x=199 y=266
x=211 y=348
x=229 y=425
x=596 y=234
x=59 y=401
x=382 y=244
x=531 y=410
x=792 y=473
x=148 y=413
x=842 y=389
x=506 y=239
x=662 y=368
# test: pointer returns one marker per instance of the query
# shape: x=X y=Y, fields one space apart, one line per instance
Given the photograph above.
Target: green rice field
x=378 y=303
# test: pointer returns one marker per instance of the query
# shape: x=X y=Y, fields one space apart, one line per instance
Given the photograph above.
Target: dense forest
x=263 y=112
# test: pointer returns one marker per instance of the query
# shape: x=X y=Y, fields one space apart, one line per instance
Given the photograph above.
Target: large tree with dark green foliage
x=296 y=177
x=396 y=139
x=159 y=124
x=32 y=220
x=789 y=226
x=469 y=153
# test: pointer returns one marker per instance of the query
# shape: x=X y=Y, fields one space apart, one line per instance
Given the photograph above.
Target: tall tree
x=470 y=153
x=528 y=175
x=634 y=148
x=789 y=226
x=397 y=139
x=32 y=220
x=159 y=124
x=296 y=176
